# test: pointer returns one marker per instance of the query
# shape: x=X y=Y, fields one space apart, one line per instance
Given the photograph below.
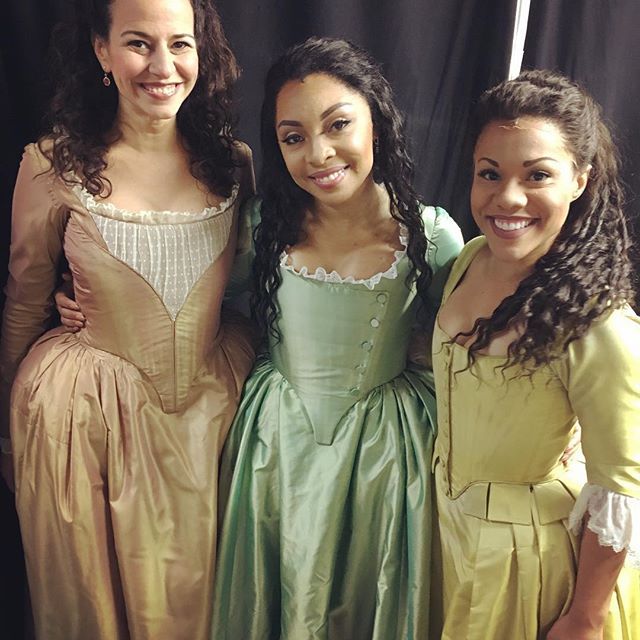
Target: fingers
x=70 y=315
x=65 y=302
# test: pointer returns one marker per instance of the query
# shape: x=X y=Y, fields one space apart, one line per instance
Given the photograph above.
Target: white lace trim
x=323 y=275
x=170 y=250
x=613 y=517
x=109 y=210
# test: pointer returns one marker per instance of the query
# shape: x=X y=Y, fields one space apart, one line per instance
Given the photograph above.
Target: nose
x=320 y=150
x=510 y=196
x=161 y=62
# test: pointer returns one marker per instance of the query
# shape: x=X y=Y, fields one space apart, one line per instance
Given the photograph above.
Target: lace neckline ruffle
x=109 y=210
x=322 y=275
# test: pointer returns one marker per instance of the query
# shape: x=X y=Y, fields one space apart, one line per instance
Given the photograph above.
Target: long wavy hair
x=284 y=204
x=587 y=271
x=81 y=120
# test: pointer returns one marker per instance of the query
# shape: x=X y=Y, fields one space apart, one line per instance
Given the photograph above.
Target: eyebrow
x=527 y=163
x=323 y=115
x=142 y=34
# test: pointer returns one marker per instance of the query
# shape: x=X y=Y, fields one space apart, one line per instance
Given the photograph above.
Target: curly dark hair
x=82 y=112
x=284 y=203
x=587 y=271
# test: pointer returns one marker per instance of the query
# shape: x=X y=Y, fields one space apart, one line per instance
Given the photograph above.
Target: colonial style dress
x=508 y=508
x=327 y=527
x=117 y=429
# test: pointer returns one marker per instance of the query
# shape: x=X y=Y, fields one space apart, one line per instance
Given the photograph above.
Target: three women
x=327 y=522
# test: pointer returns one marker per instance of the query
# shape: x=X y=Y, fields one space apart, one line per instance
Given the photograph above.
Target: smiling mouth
x=512 y=225
x=330 y=177
x=160 y=90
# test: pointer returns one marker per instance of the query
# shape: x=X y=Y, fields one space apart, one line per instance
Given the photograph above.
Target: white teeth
x=164 y=90
x=505 y=225
x=330 y=178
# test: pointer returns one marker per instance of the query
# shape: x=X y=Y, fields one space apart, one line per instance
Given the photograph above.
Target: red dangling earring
x=106 y=81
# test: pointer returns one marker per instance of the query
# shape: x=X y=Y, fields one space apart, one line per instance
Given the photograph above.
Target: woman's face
x=325 y=133
x=151 y=52
x=524 y=181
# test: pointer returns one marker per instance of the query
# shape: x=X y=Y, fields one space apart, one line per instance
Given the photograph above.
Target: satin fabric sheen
x=509 y=560
x=116 y=433
x=328 y=518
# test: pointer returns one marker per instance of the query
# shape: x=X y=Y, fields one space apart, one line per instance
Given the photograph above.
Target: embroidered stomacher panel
x=169 y=250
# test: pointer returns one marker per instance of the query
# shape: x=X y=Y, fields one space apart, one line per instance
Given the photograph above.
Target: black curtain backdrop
x=595 y=42
x=438 y=54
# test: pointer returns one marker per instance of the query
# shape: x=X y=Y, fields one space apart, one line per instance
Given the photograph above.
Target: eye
x=539 y=176
x=340 y=124
x=291 y=138
x=181 y=45
x=488 y=174
x=137 y=44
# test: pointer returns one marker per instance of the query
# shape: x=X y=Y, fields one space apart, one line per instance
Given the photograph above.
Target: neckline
x=459 y=272
x=111 y=210
x=322 y=275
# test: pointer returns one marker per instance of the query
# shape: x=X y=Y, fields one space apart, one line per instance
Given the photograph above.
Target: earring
x=106 y=81
x=376 y=145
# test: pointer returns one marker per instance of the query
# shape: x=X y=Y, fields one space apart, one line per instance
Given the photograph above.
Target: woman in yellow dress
x=535 y=333
x=116 y=429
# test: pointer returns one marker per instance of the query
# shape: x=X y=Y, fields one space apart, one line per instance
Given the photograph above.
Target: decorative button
x=381 y=298
x=375 y=323
x=366 y=345
x=355 y=391
x=361 y=367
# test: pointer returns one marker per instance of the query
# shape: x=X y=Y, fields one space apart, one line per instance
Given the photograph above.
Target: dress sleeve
x=245 y=176
x=601 y=372
x=37 y=230
x=240 y=278
x=613 y=517
x=445 y=243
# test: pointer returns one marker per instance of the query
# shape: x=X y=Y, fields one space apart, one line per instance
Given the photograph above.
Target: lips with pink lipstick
x=510 y=227
x=160 y=90
x=329 y=178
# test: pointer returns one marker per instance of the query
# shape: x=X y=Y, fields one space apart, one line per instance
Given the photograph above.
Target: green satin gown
x=327 y=526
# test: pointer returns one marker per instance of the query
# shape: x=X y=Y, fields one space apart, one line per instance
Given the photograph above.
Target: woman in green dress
x=327 y=527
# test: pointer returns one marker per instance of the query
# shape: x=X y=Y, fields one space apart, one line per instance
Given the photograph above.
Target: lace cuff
x=613 y=517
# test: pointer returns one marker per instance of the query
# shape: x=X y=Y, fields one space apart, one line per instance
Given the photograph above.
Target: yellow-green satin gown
x=327 y=528
x=116 y=429
x=504 y=497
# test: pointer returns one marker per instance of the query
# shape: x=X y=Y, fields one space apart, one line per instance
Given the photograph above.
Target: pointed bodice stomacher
x=148 y=286
x=340 y=341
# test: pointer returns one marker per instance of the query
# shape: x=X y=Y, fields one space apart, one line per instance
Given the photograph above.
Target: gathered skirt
x=117 y=499
x=326 y=542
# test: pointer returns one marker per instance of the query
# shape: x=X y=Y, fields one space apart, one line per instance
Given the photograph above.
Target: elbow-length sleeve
x=601 y=372
x=37 y=230
x=444 y=243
